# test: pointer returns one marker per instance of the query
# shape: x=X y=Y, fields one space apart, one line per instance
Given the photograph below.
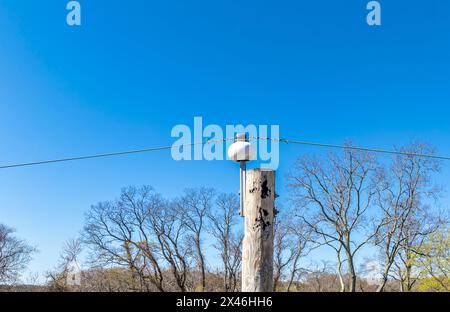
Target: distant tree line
x=15 y=255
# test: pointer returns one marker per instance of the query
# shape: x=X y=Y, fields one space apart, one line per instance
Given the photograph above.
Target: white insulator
x=241 y=151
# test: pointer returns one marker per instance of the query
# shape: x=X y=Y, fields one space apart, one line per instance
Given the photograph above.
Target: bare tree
x=420 y=226
x=15 y=254
x=143 y=233
x=292 y=240
x=169 y=229
x=282 y=254
x=301 y=243
x=195 y=206
x=402 y=194
x=223 y=220
x=58 y=279
x=109 y=235
x=334 y=199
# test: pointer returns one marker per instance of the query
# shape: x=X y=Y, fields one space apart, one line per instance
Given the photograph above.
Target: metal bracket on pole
x=243 y=185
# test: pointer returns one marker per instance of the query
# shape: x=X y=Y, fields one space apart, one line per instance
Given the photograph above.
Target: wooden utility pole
x=257 y=250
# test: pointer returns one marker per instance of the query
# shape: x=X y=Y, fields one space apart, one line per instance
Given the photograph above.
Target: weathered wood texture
x=257 y=251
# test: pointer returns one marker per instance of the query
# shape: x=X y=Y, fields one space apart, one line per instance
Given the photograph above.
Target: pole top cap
x=241 y=137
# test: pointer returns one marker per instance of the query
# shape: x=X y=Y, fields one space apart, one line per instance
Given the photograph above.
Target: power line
x=160 y=148
x=145 y=150
x=358 y=148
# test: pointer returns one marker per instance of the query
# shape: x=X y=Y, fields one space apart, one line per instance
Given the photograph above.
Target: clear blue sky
x=134 y=69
